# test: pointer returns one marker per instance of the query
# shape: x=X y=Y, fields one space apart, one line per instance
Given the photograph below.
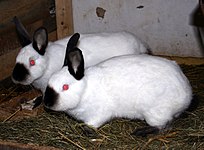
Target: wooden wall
x=33 y=14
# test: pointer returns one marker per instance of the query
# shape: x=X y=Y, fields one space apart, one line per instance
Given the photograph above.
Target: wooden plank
x=7 y=63
x=64 y=18
x=11 y=145
x=32 y=13
x=9 y=40
x=28 y=11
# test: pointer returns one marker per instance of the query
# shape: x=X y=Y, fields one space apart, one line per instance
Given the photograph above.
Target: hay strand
x=12 y=115
x=72 y=142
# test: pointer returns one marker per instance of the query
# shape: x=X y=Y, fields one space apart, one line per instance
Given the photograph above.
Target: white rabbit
x=39 y=59
x=142 y=87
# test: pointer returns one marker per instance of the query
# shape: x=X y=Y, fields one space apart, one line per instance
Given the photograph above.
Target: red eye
x=32 y=62
x=65 y=87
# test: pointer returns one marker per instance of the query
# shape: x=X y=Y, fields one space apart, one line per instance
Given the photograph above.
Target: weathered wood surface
x=32 y=13
x=29 y=12
x=64 y=18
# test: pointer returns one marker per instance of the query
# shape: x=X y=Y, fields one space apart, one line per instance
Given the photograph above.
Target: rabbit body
x=141 y=87
x=96 y=47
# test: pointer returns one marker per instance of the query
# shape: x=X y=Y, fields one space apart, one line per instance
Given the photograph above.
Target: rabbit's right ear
x=74 y=58
x=72 y=43
x=75 y=61
x=22 y=33
x=40 y=40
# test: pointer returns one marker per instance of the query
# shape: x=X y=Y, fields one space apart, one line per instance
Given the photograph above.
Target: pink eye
x=32 y=62
x=65 y=87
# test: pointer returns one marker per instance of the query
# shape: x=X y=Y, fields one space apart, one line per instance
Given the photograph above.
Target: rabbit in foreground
x=142 y=87
x=39 y=59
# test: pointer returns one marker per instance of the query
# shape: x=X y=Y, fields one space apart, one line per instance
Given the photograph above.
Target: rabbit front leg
x=98 y=120
x=94 y=122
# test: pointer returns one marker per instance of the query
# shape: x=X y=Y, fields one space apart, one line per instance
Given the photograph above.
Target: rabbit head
x=69 y=84
x=31 y=61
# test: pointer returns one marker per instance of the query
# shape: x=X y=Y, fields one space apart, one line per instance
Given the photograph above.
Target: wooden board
x=28 y=11
x=13 y=145
x=32 y=13
x=64 y=18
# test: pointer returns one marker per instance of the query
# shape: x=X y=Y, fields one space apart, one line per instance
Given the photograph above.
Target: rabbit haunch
x=96 y=47
x=132 y=86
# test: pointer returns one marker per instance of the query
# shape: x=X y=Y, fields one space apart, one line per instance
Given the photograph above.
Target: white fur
x=134 y=86
x=96 y=48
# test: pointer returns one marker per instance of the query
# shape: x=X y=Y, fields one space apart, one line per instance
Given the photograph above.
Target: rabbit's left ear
x=75 y=62
x=22 y=33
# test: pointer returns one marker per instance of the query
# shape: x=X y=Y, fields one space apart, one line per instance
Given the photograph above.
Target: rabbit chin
x=27 y=81
x=61 y=106
x=57 y=107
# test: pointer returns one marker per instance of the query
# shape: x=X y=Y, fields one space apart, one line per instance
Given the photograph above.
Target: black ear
x=22 y=33
x=72 y=43
x=75 y=61
x=74 y=58
x=40 y=40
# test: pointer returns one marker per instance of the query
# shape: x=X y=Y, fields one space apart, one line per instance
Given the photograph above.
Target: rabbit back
x=100 y=46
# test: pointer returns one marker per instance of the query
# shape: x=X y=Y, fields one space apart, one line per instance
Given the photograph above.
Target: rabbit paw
x=143 y=132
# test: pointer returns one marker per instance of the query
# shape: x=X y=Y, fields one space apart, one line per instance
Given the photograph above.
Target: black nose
x=20 y=72
x=50 y=97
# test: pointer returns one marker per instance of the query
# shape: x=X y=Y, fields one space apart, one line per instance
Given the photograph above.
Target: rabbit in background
x=141 y=87
x=39 y=59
